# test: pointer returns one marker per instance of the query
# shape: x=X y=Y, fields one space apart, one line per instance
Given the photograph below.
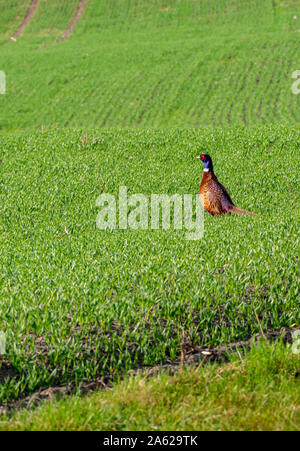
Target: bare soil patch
x=29 y=16
x=71 y=26
x=74 y=21
x=190 y=355
x=6 y=370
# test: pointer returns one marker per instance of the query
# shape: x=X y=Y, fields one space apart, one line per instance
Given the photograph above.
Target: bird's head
x=207 y=161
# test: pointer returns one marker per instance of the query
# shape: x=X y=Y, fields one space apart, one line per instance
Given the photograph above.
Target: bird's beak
x=199 y=157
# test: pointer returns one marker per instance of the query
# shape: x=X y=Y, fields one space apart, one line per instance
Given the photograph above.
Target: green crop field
x=153 y=64
x=129 y=99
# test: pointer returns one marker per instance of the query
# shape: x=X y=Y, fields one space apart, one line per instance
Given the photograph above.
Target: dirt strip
x=29 y=16
x=78 y=14
x=70 y=29
x=201 y=356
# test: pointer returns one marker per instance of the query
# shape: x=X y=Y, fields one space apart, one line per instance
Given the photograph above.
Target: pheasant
x=214 y=196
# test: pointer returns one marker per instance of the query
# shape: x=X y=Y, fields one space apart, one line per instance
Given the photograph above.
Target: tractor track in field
x=135 y=7
x=190 y=356
x=27 y=19
x=72 y=24
x=79 y=11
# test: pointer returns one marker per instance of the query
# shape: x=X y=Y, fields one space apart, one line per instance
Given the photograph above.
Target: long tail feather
x=240 y=211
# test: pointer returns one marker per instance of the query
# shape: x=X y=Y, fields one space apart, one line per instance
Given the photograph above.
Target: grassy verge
x=259 y=392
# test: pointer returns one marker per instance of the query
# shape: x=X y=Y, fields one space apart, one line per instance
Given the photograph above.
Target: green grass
x=261 y=392
x=51 y=20
x=153 y=84
x=12 y=15
x=88 y=302
x=197 y=64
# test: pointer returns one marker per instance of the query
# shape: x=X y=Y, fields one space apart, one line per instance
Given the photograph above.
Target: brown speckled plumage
x=214 y=197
